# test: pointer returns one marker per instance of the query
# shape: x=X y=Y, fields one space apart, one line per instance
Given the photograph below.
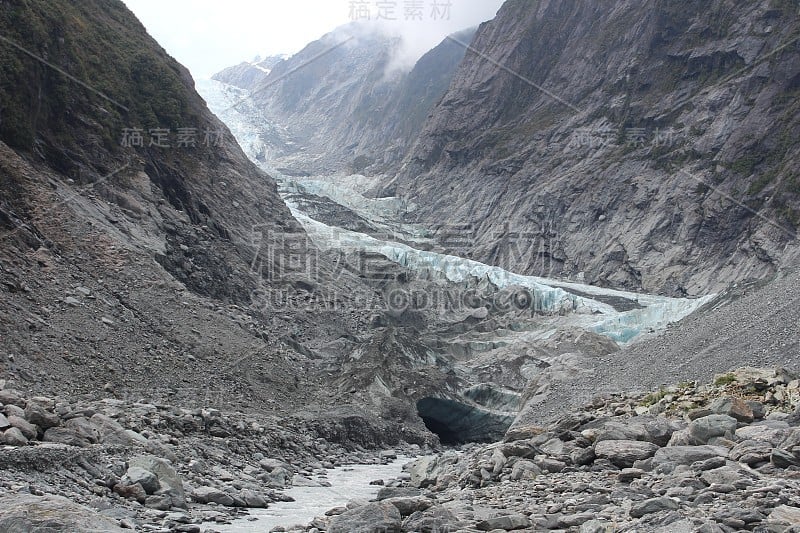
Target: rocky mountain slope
x=247 y=75
x=343 y=102
x=646 y=146
x=143 y=255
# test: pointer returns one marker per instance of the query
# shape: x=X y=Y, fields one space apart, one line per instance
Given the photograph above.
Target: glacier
x=574 y=304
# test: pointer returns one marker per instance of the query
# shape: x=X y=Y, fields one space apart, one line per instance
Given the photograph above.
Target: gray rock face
x=378 y=517
x=20 y=512
x=500 y=153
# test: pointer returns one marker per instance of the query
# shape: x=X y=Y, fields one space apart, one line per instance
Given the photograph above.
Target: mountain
x=343 y=102
x=142 y=252
x=639 y=145
x=247 y=75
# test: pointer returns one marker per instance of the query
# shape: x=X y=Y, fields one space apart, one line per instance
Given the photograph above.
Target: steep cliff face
x=344 y=105
x=648 y=146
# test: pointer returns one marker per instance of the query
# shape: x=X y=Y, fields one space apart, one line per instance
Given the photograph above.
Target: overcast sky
x=209 y=35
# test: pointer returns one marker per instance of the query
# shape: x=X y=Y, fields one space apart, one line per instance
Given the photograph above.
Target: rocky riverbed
x=113 y=463
x=717 y=457
x=713 y=458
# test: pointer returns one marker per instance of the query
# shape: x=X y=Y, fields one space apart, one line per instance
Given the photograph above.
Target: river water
x=347 y=483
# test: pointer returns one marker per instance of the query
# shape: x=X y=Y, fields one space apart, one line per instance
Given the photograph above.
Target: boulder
x=131 y=492
x=277 y=478
x=708 y=427
x=29 y=430
x=733 y=407
x=623 y=453
x=252 y=499
x=434 y=519
x=25 y=512
x=38 y=415
x=409 y=506
x=751 y=452
x=110 y=431
x=271 y=464
x=397 y=492
x=508 y=522
x=377 y=517
x=769 y=431
x=524 y=469
x=786 y=515
x=653 y=505
x=4 y=423
x=83 y=427
x=14 y=437
x=168 y=479
x=12 y=397
x=159 y=502
x=784 y=459
x=686 y=455
x=62 y=435
x=212 y=495
x=145 y=478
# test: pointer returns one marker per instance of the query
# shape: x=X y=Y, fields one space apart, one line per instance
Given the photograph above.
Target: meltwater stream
x=347 y=483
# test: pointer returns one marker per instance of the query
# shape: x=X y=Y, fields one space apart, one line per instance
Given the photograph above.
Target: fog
x=209 y=35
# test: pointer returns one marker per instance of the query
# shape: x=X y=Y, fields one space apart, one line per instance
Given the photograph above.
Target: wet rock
x=377 y=517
